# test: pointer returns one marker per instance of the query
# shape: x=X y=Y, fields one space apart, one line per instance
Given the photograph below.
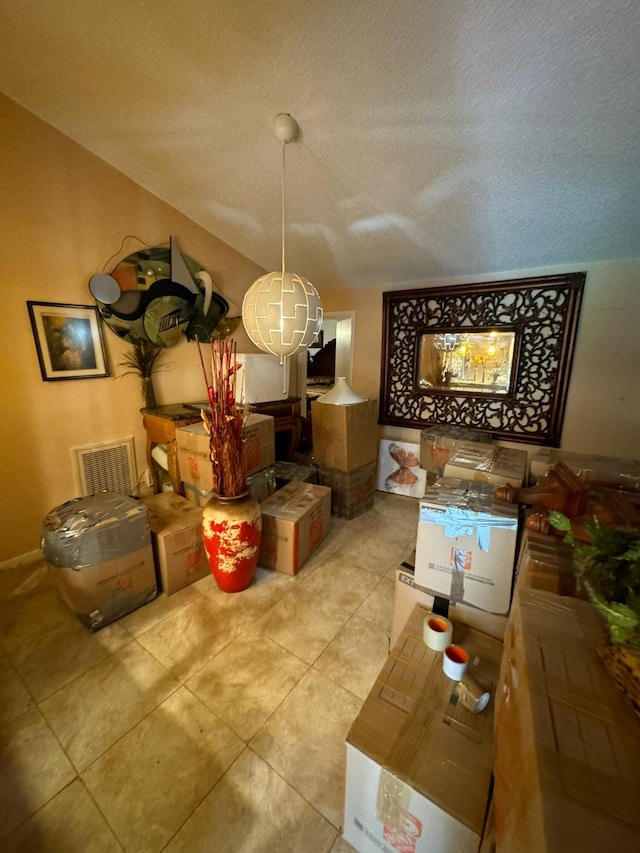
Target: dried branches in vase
x=143 y=361
x=225 y=423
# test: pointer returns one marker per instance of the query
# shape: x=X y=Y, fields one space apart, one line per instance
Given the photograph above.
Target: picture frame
x=399 y=469
x=540 y=317
x=68 y=341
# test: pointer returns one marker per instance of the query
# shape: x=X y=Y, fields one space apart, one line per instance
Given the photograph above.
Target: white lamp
x=281 y=311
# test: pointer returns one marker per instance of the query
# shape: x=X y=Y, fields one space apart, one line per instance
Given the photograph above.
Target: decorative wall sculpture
x=518 y=394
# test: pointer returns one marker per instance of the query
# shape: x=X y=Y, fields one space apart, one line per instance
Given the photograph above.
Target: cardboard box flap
x=293 y=500
x=489 y=464
x=466 y=494
x=169 y=513
x=586 y=735
x=412 y=725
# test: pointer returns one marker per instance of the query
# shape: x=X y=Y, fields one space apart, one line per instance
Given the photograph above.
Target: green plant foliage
x=609 y=567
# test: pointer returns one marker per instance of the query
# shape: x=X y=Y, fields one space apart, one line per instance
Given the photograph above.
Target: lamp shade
x=282 y=313
x=342 y=394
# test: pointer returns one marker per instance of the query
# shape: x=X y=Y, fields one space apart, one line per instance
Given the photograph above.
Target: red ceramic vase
x=231 y=531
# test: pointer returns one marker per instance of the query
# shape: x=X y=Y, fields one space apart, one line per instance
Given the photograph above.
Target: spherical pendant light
x=282 y=311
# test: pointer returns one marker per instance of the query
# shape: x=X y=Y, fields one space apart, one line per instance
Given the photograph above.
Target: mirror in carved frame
x=494 y=356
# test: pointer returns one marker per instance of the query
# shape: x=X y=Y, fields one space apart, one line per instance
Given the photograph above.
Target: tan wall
x=63 y=213
x=603 y=405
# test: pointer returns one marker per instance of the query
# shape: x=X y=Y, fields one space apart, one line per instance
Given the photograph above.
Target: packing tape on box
x=437 y=632
x=454 y=662
x=471 y=695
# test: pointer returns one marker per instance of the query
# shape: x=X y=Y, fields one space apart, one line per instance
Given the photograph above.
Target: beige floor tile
x=185 y=641
x=378 y=605
x=151 y=781
x=304 y=741
x=376 y=546
x=46 y=642
x=253 y=810
x=342 y=846
x=356 y=656
x=14 y=696
x=27 y=617
x=303 y=622
x=23 y=579
x=391 y=574
x=70 y=822
x=64 y=654
x=90 y=714
x=151 y=614
x=33 y=768
x=267 y=589
x=342 y=582
x=246 y=682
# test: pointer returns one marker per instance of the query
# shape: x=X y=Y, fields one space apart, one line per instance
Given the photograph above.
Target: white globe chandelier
x=281 y=311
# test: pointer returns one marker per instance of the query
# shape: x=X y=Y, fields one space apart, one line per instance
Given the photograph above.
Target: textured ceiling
x=438 y=138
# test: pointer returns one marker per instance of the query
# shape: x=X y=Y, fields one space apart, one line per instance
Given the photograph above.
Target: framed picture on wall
x=68 y=341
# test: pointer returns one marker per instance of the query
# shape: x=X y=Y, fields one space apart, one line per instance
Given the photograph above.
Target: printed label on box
x=461 y=560
x=403 y=840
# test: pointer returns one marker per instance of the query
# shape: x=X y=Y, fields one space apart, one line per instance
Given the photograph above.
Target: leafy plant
x=608 y=566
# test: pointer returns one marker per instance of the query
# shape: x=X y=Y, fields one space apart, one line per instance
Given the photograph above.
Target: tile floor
x=202 y=721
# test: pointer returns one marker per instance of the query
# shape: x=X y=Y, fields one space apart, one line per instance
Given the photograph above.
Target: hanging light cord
x=284 y=145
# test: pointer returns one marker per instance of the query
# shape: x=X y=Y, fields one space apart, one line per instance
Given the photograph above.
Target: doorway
x=338 y=327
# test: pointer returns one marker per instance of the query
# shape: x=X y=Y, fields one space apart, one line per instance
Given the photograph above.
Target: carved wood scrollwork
x=543 y=313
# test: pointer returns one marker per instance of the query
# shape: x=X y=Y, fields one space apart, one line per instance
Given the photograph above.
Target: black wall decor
x=542 y=312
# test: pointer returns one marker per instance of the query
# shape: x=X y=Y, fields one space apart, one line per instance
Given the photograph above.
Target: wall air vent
x=109 y=465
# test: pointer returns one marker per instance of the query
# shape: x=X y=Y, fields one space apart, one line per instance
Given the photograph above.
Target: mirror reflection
x=477 y=361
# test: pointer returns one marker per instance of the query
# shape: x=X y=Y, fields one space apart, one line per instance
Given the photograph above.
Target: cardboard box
x=287 y=471
x=418 y=764
x=352 y=492
x=193 y=450
x=437 y=443
x=176 y=535
x=295 y=520
x=407 y=594
x=344 y=437
x=101 y=593
x=466 y=544
x=623 y=474
x=99 y=552
x=567 y=744
x=261 y=378
x=196 y=496
x=546 y=562
x=497 y=465
x=261 y=484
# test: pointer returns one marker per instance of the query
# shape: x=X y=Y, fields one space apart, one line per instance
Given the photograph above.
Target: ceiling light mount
x=285 y=127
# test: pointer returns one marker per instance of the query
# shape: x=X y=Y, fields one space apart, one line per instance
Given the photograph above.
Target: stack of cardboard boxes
x=466 y=540
x=419 y=764
x=194 y=459
x=561 y=741
x=567 y=741
x=345 y=446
